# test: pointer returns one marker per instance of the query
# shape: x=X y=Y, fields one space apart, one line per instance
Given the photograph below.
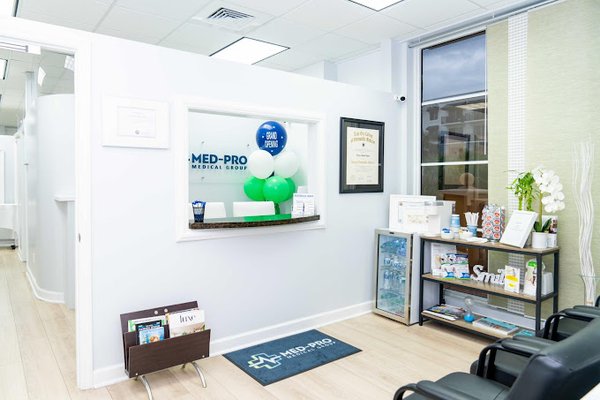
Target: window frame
x=315 y=174
x=417 y=89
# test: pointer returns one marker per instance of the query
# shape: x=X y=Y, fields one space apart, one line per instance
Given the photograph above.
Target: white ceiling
x=12 y=89
x=315 y=30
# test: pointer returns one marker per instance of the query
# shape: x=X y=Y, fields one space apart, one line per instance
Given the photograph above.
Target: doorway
x=37 y=165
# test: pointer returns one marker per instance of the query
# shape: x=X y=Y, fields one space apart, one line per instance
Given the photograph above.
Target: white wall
x=8 y=146
x=50 y=172
x=369 y=70
x=322 y=69
x=21 y=195
x=245 y=283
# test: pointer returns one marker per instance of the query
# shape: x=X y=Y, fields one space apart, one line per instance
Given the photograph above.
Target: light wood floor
x=37 y=357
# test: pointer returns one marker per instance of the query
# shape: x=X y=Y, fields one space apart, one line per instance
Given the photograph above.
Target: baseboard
x=43 y=294
x=115 y=373
x=236 y=342
x=109 y=375
x=22 y=257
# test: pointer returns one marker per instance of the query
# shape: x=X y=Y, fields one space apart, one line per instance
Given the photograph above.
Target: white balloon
x=286 y=164
x=260 y=164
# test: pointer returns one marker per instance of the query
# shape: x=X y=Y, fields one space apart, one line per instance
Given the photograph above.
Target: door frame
x=78 y=43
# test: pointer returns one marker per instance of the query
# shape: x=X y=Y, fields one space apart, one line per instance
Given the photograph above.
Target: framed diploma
x=361 y=156
x=135 y=123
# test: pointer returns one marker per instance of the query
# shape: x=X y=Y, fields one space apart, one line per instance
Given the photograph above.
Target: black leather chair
x=562 y=371
x=563 y=324
x=559 y=326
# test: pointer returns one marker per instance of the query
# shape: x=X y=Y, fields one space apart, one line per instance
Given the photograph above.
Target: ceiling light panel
x=3 y=65
x=248 y=51
x=376 y=5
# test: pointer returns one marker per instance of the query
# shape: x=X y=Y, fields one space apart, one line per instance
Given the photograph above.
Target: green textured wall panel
x=563 y=107
x=497 y=67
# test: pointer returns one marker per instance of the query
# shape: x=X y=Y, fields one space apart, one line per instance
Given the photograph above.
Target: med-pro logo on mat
x=281 y=358
x=263 y=360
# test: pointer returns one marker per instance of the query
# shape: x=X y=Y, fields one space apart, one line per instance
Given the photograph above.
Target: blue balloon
x=272 y=137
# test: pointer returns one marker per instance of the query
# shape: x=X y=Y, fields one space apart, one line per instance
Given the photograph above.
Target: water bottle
x=386 y=280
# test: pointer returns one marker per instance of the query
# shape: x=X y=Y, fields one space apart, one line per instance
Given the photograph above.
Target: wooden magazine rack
x=151 y=357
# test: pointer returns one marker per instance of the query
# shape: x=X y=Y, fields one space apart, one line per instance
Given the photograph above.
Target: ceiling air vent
x=228 y=19
x=228 y=13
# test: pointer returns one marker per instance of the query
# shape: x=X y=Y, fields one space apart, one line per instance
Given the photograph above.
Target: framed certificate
x=135 y=123
x=361 y=156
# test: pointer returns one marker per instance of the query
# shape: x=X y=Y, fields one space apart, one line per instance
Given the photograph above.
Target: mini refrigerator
x=397 y=276
x=393 y=274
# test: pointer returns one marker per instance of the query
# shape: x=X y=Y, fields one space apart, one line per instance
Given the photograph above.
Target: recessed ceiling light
x=41 y=76
x=3 y=65
x=248 y=51
x=376 y=5
x=7 y=8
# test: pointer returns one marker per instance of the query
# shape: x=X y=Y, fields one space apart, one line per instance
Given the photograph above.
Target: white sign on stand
x=519 y=227
x=303 y=205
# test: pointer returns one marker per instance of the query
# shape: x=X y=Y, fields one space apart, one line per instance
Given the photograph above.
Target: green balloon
x=276 y=189
x=292 y=186
x=253 y=187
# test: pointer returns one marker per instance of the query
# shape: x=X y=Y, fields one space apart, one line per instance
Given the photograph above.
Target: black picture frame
x=345 y=186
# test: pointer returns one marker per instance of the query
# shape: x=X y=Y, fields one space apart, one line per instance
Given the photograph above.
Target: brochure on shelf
x=445 y=311
x=438 y=251
x=512 y=278
x=496 y=326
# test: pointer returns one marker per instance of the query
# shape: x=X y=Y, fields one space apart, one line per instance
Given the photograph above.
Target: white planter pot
x=539 y=240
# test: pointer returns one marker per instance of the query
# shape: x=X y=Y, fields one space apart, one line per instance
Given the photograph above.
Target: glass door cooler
x=393 y=267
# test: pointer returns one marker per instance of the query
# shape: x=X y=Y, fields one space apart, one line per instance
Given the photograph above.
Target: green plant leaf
x=546 y=227
x=542 y=228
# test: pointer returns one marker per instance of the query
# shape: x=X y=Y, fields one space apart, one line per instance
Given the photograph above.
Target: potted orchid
x=539 y=190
